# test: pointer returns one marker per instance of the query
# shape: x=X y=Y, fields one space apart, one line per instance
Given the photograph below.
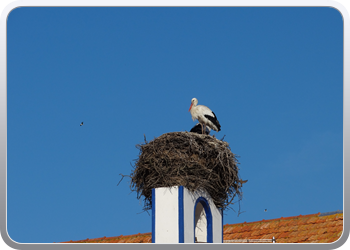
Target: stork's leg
x=202 y=128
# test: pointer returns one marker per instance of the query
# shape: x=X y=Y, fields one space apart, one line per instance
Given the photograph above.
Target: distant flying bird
x=82 y=123
x=204 y=115
x=265 y=210
x=198 y=129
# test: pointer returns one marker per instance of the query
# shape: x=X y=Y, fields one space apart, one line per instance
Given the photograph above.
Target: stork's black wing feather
x=214 y=120
x=198 y=129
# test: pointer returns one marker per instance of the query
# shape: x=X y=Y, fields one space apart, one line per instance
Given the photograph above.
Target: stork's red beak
x=190 y=107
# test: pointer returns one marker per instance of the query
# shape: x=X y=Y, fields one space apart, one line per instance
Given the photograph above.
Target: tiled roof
x=313 y=228
x=135 y=238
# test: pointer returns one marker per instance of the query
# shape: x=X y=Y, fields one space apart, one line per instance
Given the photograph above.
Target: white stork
x=204 y=115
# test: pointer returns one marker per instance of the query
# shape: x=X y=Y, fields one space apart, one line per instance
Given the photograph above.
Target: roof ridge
x=282 y=218
x=108 y=238
x=132 y=235
x=331 y=213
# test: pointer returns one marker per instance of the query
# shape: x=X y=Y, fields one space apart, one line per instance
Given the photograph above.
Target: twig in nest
x=239 y=211
x=143 y=212
x=122 y=178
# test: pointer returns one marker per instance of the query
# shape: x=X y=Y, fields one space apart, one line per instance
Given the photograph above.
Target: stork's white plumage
x=204 y=115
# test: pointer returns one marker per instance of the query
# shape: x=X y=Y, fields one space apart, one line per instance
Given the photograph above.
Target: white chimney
x=179 y=216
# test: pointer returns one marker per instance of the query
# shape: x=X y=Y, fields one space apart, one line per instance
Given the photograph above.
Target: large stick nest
x=187 y=159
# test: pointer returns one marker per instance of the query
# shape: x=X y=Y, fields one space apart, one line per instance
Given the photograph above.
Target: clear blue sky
x=273 y=77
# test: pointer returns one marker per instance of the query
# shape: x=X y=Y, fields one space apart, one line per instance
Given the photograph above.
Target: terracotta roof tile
x=256 y=226
x=312 y=228
x=228 y=236
x=228 y=230
x=256 y=233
